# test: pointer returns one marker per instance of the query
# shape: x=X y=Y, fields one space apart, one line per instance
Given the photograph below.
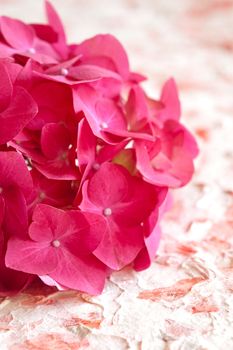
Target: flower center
x=56 y=243
x=42 y=195
x=96 y=166
x=32 y=50
x=107 y=211
x=64 y=71
x=103 y=125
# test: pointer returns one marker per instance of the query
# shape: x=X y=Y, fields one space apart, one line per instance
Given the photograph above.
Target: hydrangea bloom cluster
x=87 y=159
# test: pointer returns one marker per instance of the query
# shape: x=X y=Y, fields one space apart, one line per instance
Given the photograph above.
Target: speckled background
x=185 y=299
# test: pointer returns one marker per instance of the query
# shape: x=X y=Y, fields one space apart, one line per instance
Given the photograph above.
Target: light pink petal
x=146 y=255
x=31 y=257
x=107 y=46
x=18 y=34
x=56 y=23
x=100 y=113
x=150 y=174
x=91 y=72
x=170 y=100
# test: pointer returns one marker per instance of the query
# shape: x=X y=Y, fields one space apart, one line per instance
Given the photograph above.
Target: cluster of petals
x=87 y=158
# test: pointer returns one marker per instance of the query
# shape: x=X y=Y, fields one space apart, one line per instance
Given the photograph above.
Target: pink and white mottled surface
x=185 y=299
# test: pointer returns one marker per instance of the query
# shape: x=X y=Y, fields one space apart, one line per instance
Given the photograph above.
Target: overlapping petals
x=87 y=158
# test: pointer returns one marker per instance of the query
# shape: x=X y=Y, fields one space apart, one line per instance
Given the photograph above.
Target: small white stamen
x=64 y=71
x=107 y=211
x=142 y=224
x=42 y=195
x=76 y=163
x=96 y=166
x=70 y=146
x=56 y=243
x=32 y=50
x=104 y=125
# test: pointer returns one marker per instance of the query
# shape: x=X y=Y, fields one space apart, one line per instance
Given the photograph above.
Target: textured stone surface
x=185 y=299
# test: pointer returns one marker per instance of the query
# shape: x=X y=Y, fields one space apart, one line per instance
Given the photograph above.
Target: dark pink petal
x=13 y=282
x=58 y=170
x=45 y=32
x=21 y=110
x=86 y=145
x=54 y=101
x=15 y=218
x=2 y=212
x=52 y=192
x=38 y=258
x=18 y=34
x=55 y=139
x=14 y=172
x=6 y=88
x=106 y=46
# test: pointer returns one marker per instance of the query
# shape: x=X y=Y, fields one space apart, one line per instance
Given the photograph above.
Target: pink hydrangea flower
x=60 y=245
x=126 y=202
x=87 y=158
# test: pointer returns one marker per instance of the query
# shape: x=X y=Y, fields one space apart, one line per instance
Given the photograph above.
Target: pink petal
x=150 y=174
x=32 y=257
x=119 y=246
x=56 y=24
x=55 y=139
x=108 y=185
x=86 y=145
x=16 y=218
x=170 y=100
x=86 y=274
x=25 y=34
x=21 y=110
x=91 y=72
x=14 y=172
x=105 y=46
x=146 y=255
x=13 y=282
x=45 y=32
x=6 y=88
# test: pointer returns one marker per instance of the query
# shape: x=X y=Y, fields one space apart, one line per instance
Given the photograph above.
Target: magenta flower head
x=87 y=159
